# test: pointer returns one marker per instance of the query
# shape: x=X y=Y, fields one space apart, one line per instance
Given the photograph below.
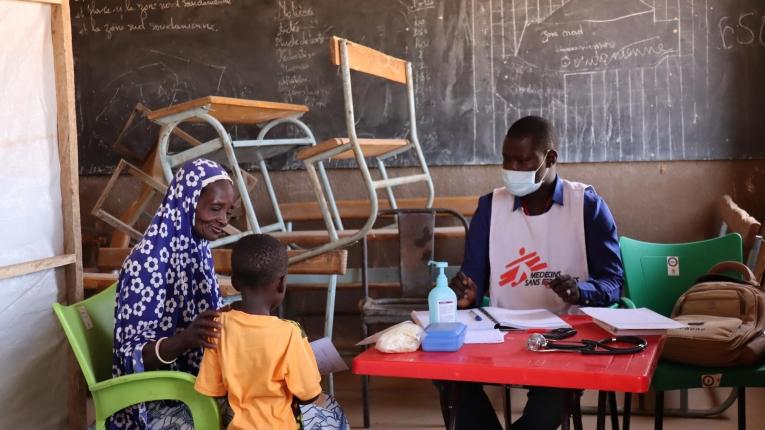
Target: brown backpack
x=725 y=319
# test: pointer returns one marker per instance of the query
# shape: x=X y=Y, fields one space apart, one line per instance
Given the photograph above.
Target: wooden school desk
x=512 y=364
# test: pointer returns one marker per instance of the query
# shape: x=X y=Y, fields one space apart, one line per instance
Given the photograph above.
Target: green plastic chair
x=649 y=285
x=89 y=327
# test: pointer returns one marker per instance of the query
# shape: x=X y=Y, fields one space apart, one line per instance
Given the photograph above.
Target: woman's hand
x=465 y=289
x=203 y=332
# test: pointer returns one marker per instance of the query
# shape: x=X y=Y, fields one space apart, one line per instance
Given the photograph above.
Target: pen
x=491 y=318
x=475 y=315
x=497 y=324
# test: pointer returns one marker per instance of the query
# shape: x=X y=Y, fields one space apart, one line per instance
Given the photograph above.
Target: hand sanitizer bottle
x=442 y=302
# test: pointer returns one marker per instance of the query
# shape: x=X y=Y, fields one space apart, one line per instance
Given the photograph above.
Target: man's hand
x=565 y=287
x=465 y=289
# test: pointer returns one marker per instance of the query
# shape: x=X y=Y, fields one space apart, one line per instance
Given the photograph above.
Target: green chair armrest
x=623 y=303
x=118 y=393
x=154 y=375
x=626 y=303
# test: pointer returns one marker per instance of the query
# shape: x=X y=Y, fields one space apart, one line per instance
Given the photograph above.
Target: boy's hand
x=465 y=289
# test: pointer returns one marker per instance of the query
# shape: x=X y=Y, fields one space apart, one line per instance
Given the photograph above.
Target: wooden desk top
x=229 y=110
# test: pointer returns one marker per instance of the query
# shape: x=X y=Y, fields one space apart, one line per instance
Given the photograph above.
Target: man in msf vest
x=538 y=242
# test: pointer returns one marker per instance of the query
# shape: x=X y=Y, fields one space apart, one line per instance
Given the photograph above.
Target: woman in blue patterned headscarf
x=167 y=294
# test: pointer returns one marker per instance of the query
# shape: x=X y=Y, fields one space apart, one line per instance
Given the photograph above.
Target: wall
x=33 y=373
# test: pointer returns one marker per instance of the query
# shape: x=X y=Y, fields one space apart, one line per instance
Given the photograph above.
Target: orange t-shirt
x=261 y=362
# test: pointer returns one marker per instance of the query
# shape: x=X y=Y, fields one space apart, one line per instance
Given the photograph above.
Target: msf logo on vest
x=526 y=270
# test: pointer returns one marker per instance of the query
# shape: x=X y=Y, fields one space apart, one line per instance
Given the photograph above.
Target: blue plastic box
x=444 y=337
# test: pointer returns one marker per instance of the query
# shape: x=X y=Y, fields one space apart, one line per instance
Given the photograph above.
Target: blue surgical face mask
x=523 y=182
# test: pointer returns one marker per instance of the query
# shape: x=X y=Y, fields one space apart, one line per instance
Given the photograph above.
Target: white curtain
x=33 y=365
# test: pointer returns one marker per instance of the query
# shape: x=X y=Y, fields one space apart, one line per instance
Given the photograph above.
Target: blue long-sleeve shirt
x=606 y=275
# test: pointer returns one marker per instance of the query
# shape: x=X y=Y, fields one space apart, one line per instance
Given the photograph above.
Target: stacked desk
x=219 y=111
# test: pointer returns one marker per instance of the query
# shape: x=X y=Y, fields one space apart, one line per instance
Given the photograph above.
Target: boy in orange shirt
x=262 y=362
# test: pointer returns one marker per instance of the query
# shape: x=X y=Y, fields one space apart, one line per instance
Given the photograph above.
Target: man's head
x=259 y=268
x=530 y=146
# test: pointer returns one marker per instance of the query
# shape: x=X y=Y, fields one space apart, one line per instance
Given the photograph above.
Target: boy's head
x=259 y=267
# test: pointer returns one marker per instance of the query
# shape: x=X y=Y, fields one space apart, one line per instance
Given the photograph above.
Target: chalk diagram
x=615 y=76
x=160 y=79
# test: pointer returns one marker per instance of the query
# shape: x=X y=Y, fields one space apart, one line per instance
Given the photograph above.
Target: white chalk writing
x=96 y=17
x=746 y=29
x=298 y=40
x=644 y=48
x=548 y=35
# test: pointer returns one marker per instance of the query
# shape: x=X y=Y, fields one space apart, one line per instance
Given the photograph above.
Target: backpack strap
x=715 y=274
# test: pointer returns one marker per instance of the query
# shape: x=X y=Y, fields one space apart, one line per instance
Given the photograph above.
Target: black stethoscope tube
x=538 y=343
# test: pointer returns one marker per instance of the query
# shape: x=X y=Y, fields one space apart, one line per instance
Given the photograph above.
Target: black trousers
x=542 y=411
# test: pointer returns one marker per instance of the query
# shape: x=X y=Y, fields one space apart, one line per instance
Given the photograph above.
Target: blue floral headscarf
x=166 y=281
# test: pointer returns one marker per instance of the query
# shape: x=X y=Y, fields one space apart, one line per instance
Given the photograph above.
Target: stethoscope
x=538 y=343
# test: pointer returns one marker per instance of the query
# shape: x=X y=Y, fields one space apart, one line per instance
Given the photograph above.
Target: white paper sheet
x=484 y=336
x=327 y=357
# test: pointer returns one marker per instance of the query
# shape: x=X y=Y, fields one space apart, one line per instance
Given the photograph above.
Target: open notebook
x=516 y=318
x=477 y=331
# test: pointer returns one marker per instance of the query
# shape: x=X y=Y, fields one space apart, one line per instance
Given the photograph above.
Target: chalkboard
x=622 y=80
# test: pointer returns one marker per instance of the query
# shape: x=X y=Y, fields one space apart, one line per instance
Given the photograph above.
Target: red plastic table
x=511 y=363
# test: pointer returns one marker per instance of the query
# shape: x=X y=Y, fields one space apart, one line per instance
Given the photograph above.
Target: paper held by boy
x=327 y=357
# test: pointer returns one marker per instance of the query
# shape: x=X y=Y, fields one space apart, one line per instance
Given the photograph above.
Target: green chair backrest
x=647 y=281
x=89 y=327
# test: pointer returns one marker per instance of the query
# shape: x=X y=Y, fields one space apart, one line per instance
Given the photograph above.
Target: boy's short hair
x=257 y=260
x=541 y=131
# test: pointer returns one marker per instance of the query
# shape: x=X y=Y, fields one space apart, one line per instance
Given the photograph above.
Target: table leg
x=453 y=402
x=365 y=399
x=614 y=410
x=508 y=418
x=627 y=411
x=659 y=412
x=601 y=422
x=566 y=411
x=741 y=408
x=577 y=409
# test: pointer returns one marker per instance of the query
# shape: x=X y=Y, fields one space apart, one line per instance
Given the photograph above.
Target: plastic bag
x=404 y=337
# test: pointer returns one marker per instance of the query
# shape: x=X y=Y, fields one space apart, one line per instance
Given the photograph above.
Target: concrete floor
x=413 y=404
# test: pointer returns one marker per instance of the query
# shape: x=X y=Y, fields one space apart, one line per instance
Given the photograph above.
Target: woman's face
x=214 y=209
